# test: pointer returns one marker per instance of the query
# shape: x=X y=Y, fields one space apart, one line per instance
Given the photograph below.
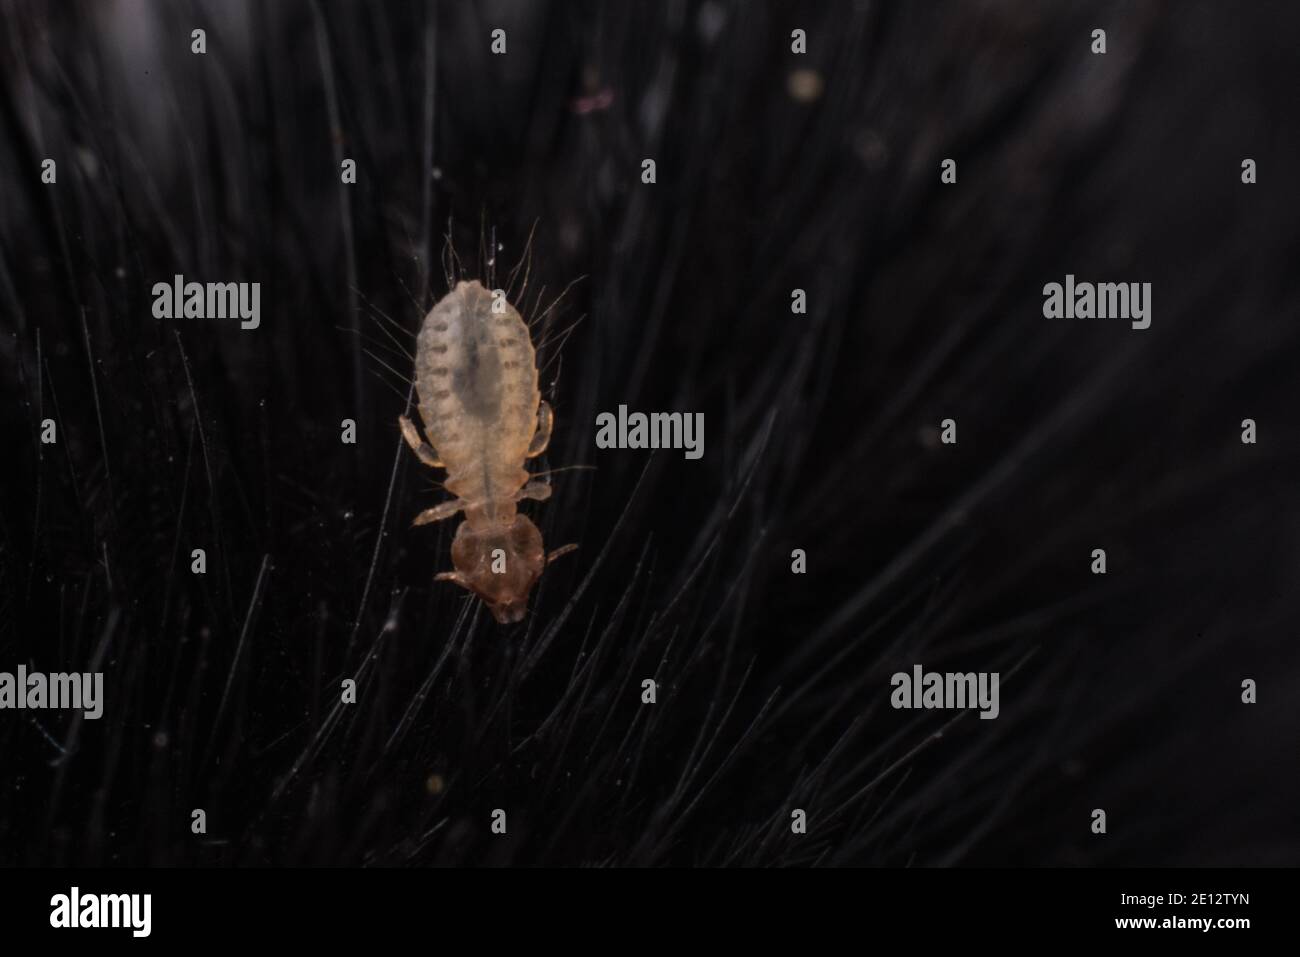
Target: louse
x=484 y=417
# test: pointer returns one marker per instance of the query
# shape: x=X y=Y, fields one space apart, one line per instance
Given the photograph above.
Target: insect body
x=476 y=375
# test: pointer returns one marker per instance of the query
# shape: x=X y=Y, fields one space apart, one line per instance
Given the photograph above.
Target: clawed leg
x=451 y=577
x=542 y=437
x=439 y=512
x=423 y=450
x=562 y=550
x=537 y=491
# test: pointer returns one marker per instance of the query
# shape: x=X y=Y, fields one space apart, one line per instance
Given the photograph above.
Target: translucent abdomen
x=476 y=376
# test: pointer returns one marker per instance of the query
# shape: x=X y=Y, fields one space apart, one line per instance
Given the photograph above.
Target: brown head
x=500 y=564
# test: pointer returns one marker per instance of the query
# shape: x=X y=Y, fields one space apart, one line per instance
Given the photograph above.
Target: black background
x=1119 y=692
x=339 y=908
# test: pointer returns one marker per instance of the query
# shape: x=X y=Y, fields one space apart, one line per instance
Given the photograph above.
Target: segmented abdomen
x=476 y=375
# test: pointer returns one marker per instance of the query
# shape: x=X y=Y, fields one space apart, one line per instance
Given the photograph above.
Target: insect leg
x=562 y=550
x=423 y=450
x=542 y=437
x=439 y=512
x=538 y=491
